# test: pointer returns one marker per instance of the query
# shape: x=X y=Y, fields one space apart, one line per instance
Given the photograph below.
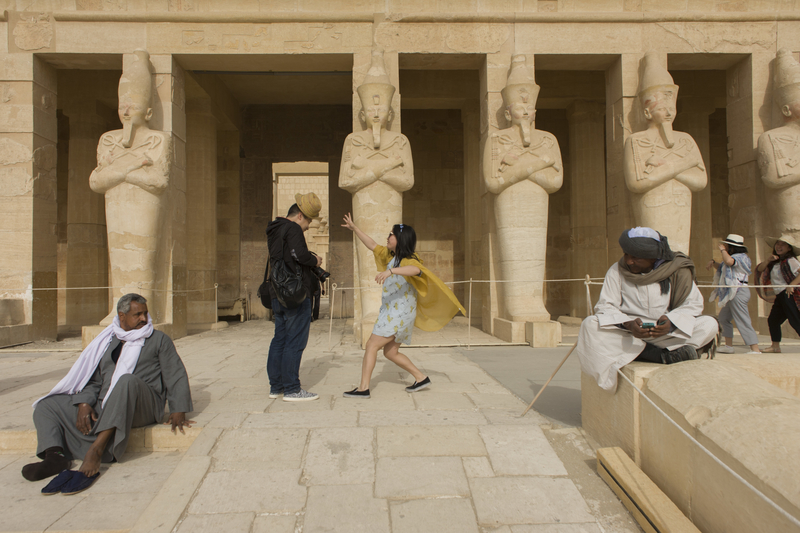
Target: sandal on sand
x=770 y=350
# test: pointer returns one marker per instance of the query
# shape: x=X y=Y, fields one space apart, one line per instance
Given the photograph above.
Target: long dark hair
x=791 y=253
x=736 y=249
x=406 y=242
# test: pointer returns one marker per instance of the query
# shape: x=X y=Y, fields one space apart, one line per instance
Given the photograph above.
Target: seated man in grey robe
x=649 y=310
x=120 y=381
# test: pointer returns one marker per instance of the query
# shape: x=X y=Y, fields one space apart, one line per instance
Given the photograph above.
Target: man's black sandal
x=355 y=393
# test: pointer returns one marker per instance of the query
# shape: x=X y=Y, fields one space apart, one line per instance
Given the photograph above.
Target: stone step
x=147 y=439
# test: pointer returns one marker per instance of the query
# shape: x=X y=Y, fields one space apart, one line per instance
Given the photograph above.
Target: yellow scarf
x=436 y=303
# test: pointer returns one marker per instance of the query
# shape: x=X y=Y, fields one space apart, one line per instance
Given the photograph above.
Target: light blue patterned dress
x=398 y=309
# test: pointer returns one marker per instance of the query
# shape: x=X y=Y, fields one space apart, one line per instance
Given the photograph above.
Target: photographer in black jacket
x=285 y=241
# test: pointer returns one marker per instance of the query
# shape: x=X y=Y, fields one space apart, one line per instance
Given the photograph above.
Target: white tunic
x=603 y=347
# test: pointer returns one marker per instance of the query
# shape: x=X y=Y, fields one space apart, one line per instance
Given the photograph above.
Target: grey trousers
x=736 y=309
x=132 y=404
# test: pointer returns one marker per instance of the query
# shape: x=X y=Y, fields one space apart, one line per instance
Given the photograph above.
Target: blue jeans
x=286 y=349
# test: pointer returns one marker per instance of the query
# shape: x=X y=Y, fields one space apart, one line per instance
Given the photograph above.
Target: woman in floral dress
x=411 y=295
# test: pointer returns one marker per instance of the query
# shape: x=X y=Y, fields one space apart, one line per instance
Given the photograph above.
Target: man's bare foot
x=91 y=463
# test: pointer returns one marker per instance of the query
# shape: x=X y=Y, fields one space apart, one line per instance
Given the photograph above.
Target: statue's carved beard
x=665 y=129
x=376 y=135
x=127 y=133
x=525 y=127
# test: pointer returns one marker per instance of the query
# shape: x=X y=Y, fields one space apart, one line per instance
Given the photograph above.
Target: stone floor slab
x=243 y=449
x=557 y=528
x=521 y=451
x=275 y=524
x=421 y=418
x=100 y=511
x=260 y=490
x=420 y=477
x=214 y=523
x=301 y=419
x=451 y=401
x=527 y=500
x=340 y=456
x=477 y=467
x=411 y=441
x=346 y=508
x=424 y=516
x=496 y=401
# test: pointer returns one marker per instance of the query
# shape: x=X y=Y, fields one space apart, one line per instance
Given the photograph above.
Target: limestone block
x=15 y=442
x=274 y=524
x=564 y=38
x=239 y=449
x=543 y=334
x=721 y=37
x=781 y=370
x=744 y=421
x=209 y=523
x=31 y=32
x=421 y=418
x=509 y=331
x=12 y=312
x=612 y=419
x=107 y=38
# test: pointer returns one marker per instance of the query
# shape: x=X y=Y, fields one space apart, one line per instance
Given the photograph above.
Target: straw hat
x=309 y=204
x=735 y=240
x=785 y=237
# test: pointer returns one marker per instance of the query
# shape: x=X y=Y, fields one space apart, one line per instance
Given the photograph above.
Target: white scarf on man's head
x=80 y=373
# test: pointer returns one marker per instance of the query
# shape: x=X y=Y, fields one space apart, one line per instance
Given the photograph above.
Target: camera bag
x=287 y=282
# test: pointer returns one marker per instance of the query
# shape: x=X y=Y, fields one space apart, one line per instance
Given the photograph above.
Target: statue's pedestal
x=543 y=334
x=546 y=334
x=509 y=331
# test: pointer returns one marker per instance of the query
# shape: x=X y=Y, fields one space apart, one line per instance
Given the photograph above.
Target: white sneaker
x=300 y=396
x=751 y=352
x=725 y=349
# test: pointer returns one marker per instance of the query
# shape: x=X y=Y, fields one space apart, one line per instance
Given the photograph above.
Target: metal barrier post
x=588 y=297
x=330 y=311
x=469 y=317
x=216 y=303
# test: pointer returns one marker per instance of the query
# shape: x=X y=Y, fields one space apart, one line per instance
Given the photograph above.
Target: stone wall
x=435 y=205
x=281 y=134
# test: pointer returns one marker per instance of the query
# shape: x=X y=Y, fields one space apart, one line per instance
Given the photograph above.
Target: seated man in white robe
x=122 y=380
x=649 y=310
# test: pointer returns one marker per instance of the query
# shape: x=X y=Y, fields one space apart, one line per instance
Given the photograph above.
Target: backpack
x=287 y=282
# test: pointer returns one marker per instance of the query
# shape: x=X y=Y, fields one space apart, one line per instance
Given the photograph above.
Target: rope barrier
x=746 y=483
x=174 y=291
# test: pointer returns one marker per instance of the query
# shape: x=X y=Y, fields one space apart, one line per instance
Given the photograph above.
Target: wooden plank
x=648 y=505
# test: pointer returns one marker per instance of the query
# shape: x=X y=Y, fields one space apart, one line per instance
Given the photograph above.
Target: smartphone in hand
x=646 y=325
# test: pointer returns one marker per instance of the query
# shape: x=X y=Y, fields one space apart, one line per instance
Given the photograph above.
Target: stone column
x=693 y=119
x=747 y=96
x=87 y=250
x=473 y=183
x=623 y=116
x=228 y=217
x=169 y=115
x=588 y=199
x=28 y=136
x=201 y=212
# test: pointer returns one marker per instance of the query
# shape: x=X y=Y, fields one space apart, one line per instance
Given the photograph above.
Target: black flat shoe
x=419 y=386
x=355 y=393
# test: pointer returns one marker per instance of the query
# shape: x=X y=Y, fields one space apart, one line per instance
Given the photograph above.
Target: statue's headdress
x=137 y=77
x=787 y=78
x=521 y=86
x=655 y=80
x=376 y=88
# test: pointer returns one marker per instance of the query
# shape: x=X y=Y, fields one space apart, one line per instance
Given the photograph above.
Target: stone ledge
x=147 y=439
x=744 y=421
